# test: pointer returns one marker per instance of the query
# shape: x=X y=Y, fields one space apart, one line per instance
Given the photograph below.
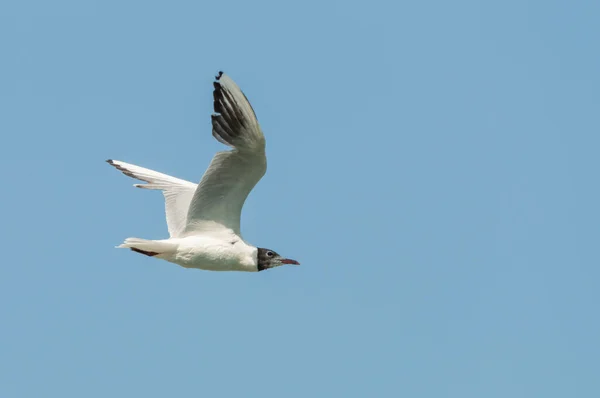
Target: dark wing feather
x=232 y=174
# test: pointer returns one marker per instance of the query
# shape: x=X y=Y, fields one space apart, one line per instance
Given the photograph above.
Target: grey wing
x=231 y=175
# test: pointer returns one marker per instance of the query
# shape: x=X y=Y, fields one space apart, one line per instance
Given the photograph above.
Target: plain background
x=433 y=165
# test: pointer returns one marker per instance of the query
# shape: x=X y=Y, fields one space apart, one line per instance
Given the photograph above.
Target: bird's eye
x=269 y=254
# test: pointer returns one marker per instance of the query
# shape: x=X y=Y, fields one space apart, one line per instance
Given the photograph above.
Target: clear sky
x=433 y=165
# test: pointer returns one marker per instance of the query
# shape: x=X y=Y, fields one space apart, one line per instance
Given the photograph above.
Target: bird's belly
x=216 y=257
x=209 y=264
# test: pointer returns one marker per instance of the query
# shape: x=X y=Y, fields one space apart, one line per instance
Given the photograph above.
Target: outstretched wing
x=232 y=174
x=178 y=193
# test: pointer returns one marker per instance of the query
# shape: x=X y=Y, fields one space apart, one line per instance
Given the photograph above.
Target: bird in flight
x=204 y=219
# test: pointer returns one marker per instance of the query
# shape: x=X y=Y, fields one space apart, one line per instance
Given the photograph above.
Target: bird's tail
x=160 y=248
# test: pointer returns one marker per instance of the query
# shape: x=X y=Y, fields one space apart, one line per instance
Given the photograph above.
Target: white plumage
x=204 y=219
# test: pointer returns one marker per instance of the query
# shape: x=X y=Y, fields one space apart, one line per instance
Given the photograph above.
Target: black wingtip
x=219 y=75
x=110 y=161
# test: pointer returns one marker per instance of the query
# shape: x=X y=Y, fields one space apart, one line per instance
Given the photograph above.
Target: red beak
x=289 y=261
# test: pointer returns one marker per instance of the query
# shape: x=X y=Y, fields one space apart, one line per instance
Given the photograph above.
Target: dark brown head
x=269 y=259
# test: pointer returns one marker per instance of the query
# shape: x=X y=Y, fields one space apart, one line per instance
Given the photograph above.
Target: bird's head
x=269 y=259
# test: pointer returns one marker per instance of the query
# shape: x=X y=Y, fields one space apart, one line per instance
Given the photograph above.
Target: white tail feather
x=160 y=247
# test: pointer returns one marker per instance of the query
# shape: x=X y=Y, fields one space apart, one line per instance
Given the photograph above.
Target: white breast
x=216 y=254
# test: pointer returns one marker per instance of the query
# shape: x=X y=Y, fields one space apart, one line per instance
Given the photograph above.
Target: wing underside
x=232 y=174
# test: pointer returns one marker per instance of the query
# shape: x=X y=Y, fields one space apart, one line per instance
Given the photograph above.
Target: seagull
x=204 y=219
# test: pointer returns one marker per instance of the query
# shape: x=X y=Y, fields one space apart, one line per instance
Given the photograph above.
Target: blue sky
x=433 y=166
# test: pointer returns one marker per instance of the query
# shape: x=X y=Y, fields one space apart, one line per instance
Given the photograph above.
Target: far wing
x=178 y=193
